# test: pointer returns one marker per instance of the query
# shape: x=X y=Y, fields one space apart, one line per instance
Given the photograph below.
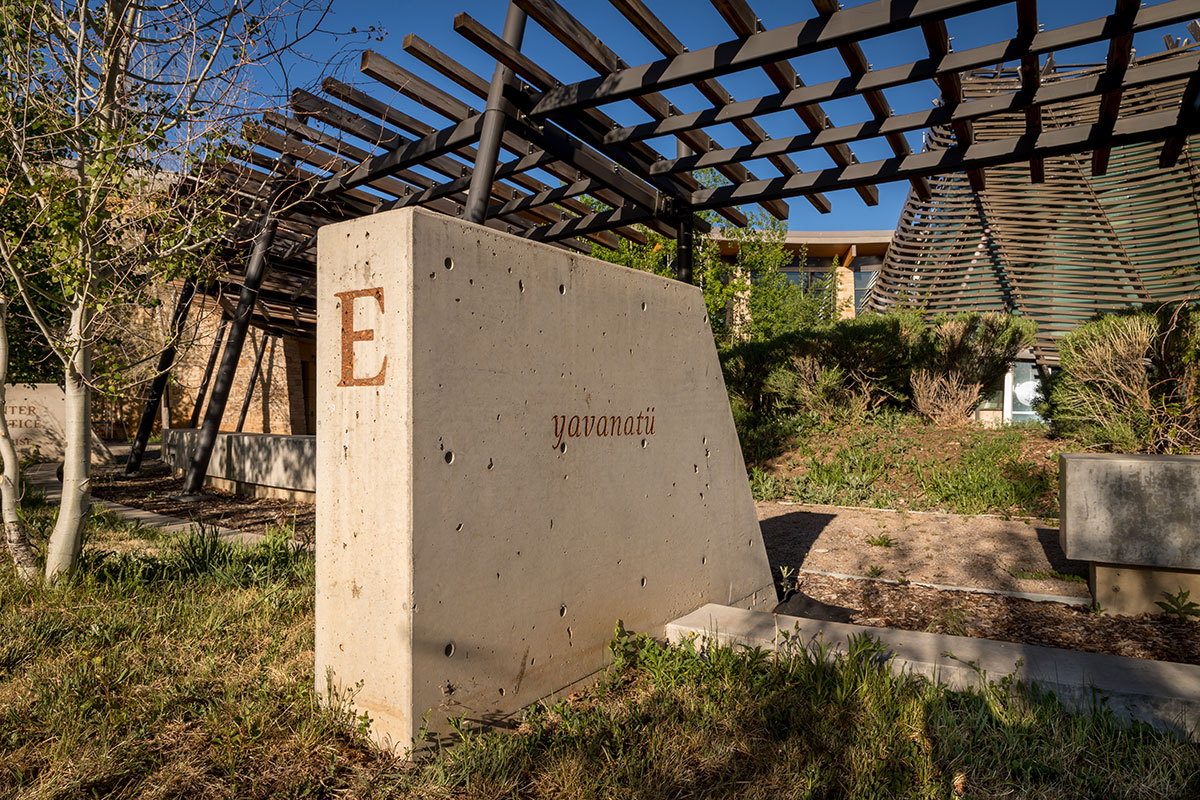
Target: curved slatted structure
x=1063 y=250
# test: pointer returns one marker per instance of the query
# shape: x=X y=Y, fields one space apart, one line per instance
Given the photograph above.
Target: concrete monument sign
x=35 y=422
x=517 y=447
x=1136 y=519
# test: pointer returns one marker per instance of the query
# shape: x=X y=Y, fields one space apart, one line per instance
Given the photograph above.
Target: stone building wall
x=277 y=404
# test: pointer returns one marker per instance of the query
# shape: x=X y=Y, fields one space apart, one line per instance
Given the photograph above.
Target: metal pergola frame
x=346 y=152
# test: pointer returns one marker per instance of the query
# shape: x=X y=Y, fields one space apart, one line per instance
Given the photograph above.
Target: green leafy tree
x=109 y=111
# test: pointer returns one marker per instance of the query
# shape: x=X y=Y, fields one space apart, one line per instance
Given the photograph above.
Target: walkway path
x=44 y=478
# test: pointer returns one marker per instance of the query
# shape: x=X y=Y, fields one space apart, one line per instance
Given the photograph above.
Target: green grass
x=989 y=476
x=893 y=460
x=183 y=668
x=1021 y=573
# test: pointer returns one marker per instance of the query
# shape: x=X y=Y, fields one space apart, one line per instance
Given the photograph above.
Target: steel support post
x=685 y=240
x=202 y=392
x=254 y=373
x=256 y=270
x=480 y=193
x=165 y=361
x=685 y=250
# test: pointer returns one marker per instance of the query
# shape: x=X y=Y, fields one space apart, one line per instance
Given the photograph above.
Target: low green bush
x=1129 y=382
x=844 y=370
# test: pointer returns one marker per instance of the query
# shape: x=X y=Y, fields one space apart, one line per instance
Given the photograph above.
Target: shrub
x=944 y=399
x=959 y=355
x=876 y=351
x=838 y=370
x=1129 y=381
x=977 y=347
x=803 y=386
x=748 y=365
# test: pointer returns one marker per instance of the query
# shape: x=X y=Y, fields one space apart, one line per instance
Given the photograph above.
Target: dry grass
x=944 y=399
x=189 y=674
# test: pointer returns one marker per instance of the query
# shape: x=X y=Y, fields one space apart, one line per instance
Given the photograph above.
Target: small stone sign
x=517 y=447
x=35 y=422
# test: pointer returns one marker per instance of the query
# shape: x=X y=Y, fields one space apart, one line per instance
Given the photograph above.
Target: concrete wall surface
x=36 y=416
x=517 y=448
x=1142 y=510
x=261 y=459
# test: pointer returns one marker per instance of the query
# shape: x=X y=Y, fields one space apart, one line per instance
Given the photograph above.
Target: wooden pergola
x=350 y=151
x=1081 y=242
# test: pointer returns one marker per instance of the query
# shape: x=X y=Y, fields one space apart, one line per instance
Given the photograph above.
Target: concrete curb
x=1034 y=596
x=1163 y=694
x=43 y=478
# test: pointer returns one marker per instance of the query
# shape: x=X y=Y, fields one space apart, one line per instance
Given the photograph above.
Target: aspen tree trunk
x=15 y=537
x=62 y=552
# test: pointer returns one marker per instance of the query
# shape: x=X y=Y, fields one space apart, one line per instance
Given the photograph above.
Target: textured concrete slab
x=36 y=422
x=272 y=461
x=1124 y=589
x=1163 y=694
x=517 y=448
x=1141 y=510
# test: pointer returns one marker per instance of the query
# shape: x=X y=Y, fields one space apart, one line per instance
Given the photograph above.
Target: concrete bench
x=1136 y=520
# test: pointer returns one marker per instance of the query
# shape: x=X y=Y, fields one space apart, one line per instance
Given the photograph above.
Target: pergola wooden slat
x=564 y=163
x=1082 y=242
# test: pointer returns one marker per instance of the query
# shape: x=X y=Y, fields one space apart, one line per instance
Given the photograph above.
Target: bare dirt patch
x=986 y=552
x=980 y=552
x=156 y=490
x=989 y=616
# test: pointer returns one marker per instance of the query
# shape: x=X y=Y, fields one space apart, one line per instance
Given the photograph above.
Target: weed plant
x=704 y=721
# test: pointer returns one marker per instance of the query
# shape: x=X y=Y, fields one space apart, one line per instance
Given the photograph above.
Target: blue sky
x=697 y=24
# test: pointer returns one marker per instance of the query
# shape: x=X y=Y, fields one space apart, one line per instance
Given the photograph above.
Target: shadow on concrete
x=798 y=604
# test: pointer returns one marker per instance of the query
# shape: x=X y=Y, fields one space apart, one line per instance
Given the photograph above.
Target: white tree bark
x=15 y=537
x=62 y=551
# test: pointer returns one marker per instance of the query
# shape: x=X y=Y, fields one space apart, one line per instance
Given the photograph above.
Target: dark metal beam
x=745 y=23
x=256 y=270
x=411 y=154
x=856 y=61
x=429 y=193
x=661 y=36
x=1031 y=78
x=493 y=122
x=685 y=247
x=937 y=40
x=1057 y=92
x=1120 y=51
x=789 y=41
x=591 y=163
x=1187 y=124
x=597 y=221
x=166 y=361
x=590 y=125
x=572 y=33
x=401 y=80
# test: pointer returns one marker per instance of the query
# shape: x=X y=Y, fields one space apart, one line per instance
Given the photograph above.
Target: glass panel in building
x=1025 y=392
